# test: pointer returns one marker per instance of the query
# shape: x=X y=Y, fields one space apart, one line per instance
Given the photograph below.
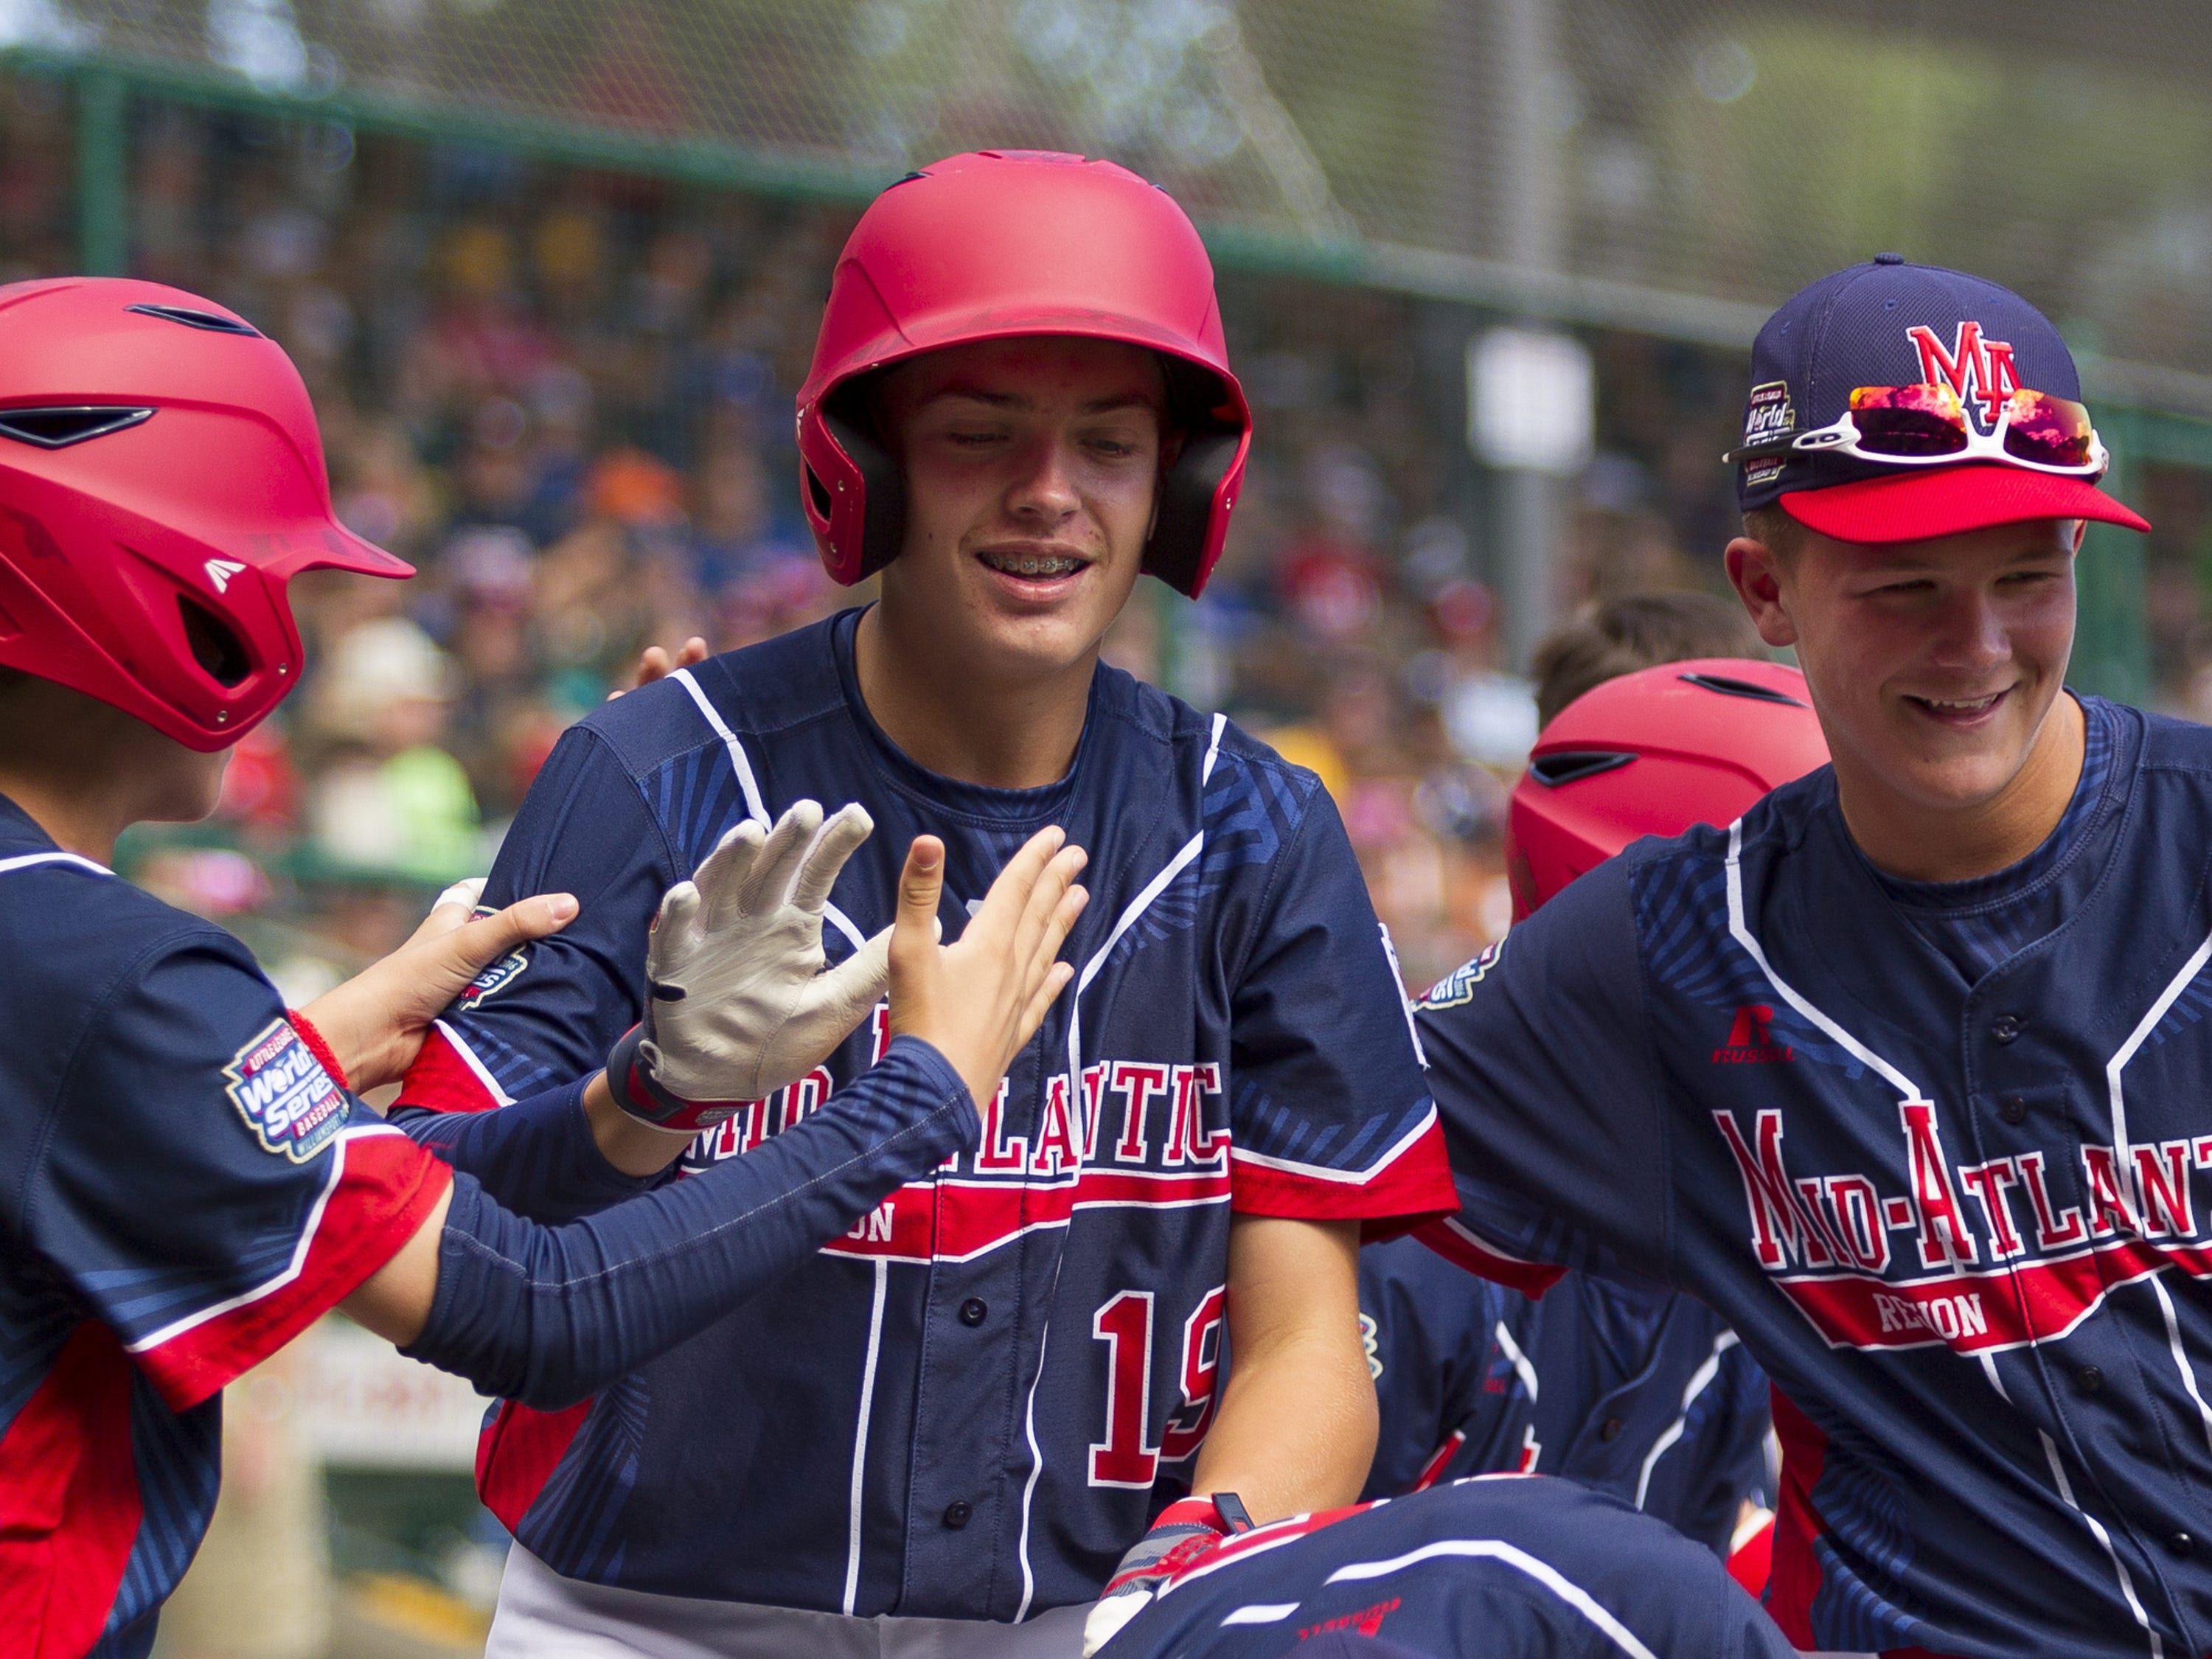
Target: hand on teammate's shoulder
x=655 y=663
x=375 y=1023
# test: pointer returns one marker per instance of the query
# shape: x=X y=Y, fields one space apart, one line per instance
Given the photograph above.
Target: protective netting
x=1722 y=151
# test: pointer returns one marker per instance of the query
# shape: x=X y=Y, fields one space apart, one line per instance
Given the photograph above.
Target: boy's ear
x=1754 y=570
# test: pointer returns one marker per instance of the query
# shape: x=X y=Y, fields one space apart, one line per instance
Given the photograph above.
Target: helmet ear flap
x=1185 y=518
x=1183 y=525
x=882 y=518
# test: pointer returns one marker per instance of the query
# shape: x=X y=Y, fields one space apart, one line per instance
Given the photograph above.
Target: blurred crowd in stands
x=566 y=397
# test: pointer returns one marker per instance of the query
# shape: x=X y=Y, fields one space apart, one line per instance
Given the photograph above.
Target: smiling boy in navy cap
x=1959 y=1209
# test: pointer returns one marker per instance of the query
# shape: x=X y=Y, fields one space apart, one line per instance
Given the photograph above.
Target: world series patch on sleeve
x=287 y=1100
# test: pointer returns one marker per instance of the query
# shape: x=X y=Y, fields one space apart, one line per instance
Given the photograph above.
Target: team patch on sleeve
x=284 y=1095
x=494 y=979
x=1458 y=986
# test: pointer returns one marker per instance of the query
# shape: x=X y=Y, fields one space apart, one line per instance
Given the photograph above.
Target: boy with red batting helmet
x=1902 y=1071
x=959 y=1413
x=191 y=1181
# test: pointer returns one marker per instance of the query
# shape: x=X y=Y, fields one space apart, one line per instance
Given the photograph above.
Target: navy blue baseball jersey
x=962 y=1409
x=1634 y=1390
x=187 y=1189
x=1934 y=1152
x=1493 y=1567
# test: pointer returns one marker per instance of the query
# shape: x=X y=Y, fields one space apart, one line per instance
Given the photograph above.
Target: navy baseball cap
x=1888 y=323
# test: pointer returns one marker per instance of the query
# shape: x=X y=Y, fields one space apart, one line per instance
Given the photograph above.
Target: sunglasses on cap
x=1926 y=425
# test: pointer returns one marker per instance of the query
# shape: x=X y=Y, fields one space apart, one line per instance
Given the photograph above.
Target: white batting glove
x=737 y=1004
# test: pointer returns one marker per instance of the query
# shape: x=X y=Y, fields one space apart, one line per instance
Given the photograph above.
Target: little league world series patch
x=284 y=1095
x=496 y=978
x=1768 y=414
x=1458 y=986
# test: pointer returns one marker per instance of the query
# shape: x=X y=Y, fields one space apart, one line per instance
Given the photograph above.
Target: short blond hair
x=1774 y=529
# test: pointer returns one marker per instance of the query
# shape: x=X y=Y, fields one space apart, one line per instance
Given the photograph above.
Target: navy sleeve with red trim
x=549 y=1315
x=203 y=1182
x=1539 y=1055
x=537 y=1158
x=1330 y=1116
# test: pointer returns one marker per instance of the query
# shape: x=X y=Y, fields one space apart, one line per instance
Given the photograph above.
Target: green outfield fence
x=1668 y=166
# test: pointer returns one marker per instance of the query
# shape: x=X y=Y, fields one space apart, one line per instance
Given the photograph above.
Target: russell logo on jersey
x=1750 y=1041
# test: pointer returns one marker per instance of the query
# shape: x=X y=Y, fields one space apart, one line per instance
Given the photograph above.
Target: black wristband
x=631 y=1082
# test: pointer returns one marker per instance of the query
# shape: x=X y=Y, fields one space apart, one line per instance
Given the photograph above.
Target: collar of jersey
x=1003 y=809
x=20 y=831
x=2096 y=797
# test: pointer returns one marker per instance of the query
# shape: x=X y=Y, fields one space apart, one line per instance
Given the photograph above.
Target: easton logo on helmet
x=220 y=571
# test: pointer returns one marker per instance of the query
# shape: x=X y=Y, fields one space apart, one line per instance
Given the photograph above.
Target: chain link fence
x=1675 y=165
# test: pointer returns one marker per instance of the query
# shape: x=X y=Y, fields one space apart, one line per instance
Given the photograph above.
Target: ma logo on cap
x=1979 y=370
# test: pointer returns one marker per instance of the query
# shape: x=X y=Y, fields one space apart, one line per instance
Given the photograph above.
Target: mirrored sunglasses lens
x=2050 y=431
x=1908 y=420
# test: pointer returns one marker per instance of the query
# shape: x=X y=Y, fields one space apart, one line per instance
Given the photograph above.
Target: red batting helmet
x=1650 y=754
x=160 y=480
x=1002 y=243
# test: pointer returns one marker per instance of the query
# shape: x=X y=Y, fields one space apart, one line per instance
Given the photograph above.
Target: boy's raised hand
x=978 y=999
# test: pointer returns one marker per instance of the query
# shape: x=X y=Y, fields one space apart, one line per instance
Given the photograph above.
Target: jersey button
x=1610 y=1429
x=957 y=1514
x=2089 y=1379
x=2013 y=1109
x=973 y=1309
x=2181 y=1544
x=2005 y=1029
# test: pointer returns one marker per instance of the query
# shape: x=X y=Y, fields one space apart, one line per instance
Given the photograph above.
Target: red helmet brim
x=350 y=552
x=1919 y=503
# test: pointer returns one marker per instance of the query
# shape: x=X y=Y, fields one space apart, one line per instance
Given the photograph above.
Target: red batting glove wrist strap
x=631 y=1082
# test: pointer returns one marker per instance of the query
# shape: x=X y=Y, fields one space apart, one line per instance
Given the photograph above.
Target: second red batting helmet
x=1003 y=243
x=1650 y=754
x=160 y=481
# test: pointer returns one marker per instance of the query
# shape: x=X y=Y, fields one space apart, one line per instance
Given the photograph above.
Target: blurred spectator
x=733 y=534
x=388 y=800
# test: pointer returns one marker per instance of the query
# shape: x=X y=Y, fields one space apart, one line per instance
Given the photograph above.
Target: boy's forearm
x=1296 y=1428
x=635 y=1148
x=1296 y=1431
